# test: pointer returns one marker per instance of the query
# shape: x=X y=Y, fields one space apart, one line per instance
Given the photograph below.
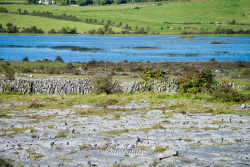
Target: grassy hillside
x=153 y=15
x=45 y=23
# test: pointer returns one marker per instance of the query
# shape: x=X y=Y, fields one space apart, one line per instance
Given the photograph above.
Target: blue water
x=120 y=48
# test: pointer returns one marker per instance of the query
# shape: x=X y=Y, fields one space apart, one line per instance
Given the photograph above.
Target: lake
x=81 y=48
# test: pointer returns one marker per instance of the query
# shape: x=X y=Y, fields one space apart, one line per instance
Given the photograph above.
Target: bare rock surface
x=60 y=137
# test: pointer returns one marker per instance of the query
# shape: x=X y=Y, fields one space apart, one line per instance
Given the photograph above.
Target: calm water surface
x=120 y=48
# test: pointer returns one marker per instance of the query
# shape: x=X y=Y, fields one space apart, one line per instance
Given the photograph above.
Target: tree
x=32 y=1
x=11 y=28
x=26 y=59
x=106 y=2
x=85 y=2
x=52 y=31
x=59 y=59
x=120 y=1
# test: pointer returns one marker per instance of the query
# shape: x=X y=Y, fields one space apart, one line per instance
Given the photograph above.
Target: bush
x=26 y=59
x=59 y=59
x=104 y=84
x=52 y=31
x=226 y=93
x=11 y=28
x=33 y=29
x=70 y=67
x=245 y=72
x=26 y=70
x=8 y=74
x=197 y=81
x=154 y=74
x=35 y=104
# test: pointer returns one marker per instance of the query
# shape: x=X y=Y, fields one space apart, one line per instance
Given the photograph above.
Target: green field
x=148 y=15
x=45 y=23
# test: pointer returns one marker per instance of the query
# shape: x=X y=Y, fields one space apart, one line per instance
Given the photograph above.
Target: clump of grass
x=187 y=140
x=62 y=134
x=107 y=102
x=38 y=156
x=83 y=146
x=50 y=126
x=168 y=115
x=117 y=132
x=160 y=149
x=219 y=122
x=143 y=147
x=155 y=162
x=225 y=93
x=226 y=144
x=65 y=159
x=211 y=128
x=35 y=104
x=19 y=130
x=155 y=126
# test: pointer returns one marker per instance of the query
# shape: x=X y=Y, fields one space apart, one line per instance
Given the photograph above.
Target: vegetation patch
x=61 y=134
x=160 y=149
x=144 y=48
x=75 y=48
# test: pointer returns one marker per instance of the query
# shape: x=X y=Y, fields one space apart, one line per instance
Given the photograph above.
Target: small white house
x=45 y=2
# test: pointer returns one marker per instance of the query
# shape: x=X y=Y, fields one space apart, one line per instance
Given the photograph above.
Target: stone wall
x=80 y=86
x=47 y=86
x=170 y=85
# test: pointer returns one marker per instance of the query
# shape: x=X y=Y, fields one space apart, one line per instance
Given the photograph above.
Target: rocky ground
x=136 y=136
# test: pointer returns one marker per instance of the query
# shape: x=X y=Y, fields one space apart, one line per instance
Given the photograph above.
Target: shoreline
x=185 y=35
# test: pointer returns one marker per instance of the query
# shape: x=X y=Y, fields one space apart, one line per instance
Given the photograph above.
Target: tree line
x=11 y=28
x=94 y=2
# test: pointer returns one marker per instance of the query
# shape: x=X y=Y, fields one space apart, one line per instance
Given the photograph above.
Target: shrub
x=154 y=74
x=26 y=59
x=11 y=28
x=104 y=84
x=52 y=31
x=197 y=81
x=35 y=104
x=69 y=67
x=245 y=72
x=226 y=93
x=26 y=70
x=3 y=10
x=8 y=74
x=33 y=29
x=58 y=59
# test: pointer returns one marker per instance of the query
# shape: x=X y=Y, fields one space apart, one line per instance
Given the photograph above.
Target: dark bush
x=8 y=74
x=67 y=30
x=226 y=93
x=2 y=29
x=104 y=84
x=69 y=67
x=3 y=10
x=26 y=70
x=197 y=81
x=33 y=29
x=154 y=74
x=25 y=58
x=59 y=59
x=35 y=104
x=245 y=72
x=52 y=31
x=11 y=28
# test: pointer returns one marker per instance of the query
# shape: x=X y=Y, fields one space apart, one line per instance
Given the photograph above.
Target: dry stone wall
x=47 y=86
x=170 y=85
x=80 y=86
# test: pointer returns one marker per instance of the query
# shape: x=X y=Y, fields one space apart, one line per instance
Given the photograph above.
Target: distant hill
x=164 y=18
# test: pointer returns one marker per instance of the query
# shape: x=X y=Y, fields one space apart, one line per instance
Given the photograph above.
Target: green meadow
x=151 y=15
